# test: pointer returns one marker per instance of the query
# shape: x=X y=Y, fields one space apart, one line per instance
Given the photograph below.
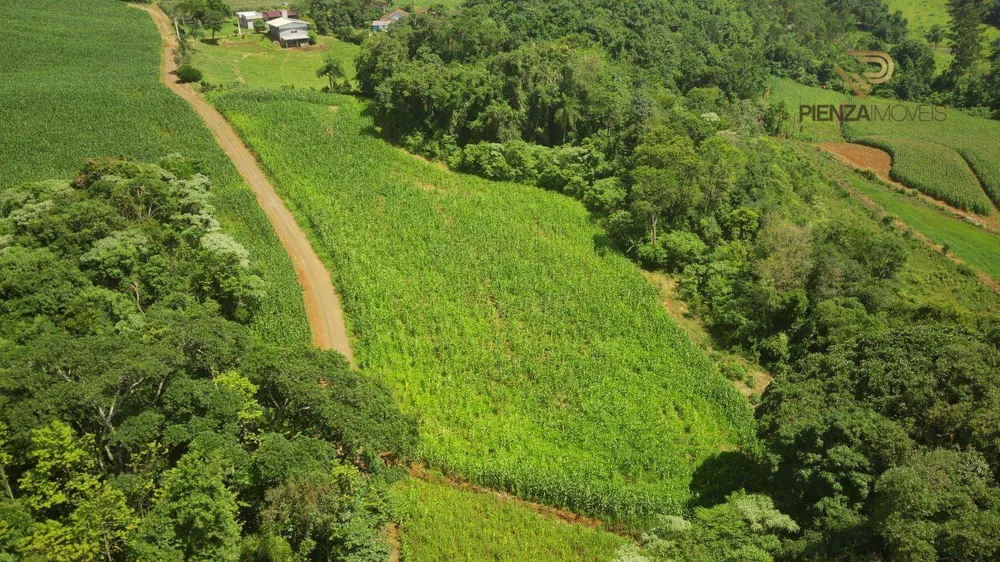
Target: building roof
x=249 y=14
x=395 y=14
x=281 y=22
x=272 y=14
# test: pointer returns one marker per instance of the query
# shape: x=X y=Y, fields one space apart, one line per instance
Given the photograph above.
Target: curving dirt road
x=326 y=317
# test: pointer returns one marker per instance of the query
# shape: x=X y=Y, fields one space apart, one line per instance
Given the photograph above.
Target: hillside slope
x=539 y=360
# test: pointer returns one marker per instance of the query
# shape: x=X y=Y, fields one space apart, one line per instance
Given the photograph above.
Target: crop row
x=538 y=360
x=935 y=170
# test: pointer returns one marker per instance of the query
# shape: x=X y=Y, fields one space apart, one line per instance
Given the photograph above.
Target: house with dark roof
x=275 y=14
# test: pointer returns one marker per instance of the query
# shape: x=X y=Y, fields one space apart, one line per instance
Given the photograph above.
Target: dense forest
x=879 y=432
x=139 y=419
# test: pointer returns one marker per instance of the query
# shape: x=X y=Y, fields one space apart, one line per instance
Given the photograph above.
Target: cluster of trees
x=139 y=418
x=200 y=15
x=349 y=20
x=879 y=432
x=553 y=73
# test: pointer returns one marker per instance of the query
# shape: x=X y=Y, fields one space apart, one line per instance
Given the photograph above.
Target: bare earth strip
x=326 y=317
x=866 y=157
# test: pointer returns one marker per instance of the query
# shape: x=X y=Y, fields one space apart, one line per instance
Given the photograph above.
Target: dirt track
x=326 y=317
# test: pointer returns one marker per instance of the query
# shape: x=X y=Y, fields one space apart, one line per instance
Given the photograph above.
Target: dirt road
x=326 y=317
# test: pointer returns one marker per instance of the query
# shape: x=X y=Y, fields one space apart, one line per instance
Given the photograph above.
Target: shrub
x=259 y=26
x=188 y=73
x=682 y=248
x=733 y=370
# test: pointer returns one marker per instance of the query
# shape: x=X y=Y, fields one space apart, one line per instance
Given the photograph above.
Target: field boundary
x=323 y=308
x=421 y=472
x=990 y=223
x=990 y=192
x=903 y=227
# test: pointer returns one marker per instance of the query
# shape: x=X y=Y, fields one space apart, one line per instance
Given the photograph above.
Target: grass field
x=922 y=14
x=974 y=245
x=540 y=361
x=926 y=270
x=441 y=522
x=76 y=86
x=257 y=61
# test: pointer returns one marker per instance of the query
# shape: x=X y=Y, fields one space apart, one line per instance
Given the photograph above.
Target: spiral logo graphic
x=861 y=84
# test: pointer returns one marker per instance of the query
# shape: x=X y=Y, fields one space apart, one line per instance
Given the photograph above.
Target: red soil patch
x=861 y=156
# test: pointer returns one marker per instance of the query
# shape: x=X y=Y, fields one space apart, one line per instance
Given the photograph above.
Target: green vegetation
x=538 y=360
x=972 y=138
x=922 y=15
x=187 y=73
x=442 y=522
x=936 y=170
x=925 y=272
x=781 y=263
x=75 y=87
x=975 y=139
x=971 y=243
x=138 y=419
x=257 y=61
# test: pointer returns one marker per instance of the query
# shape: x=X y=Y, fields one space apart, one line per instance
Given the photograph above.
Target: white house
x=380 y=25
x=246 y=19
x=289 y=32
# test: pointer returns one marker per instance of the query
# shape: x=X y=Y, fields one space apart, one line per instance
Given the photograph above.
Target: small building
x=246 y=19
x=395 y=15
x=383 y=23
x=275 y=14
x=289 y=32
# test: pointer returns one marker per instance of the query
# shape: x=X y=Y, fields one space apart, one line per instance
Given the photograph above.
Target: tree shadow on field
x=723 y=474
x=603 y=244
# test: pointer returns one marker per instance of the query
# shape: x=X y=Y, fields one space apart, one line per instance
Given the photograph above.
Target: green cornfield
x=539 y=360
x=81 y=80
x=935 y=170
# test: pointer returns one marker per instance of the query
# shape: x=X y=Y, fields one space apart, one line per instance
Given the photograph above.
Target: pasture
x=922 y=14
x=539 y=360
x=255 y=60
x=76 y=87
